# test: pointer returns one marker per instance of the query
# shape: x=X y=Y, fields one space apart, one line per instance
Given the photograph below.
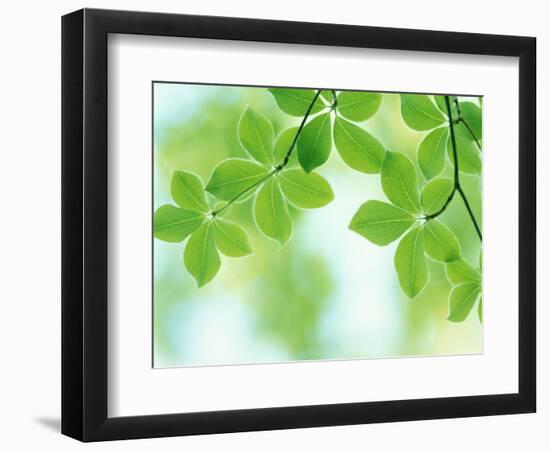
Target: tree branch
x=470 y=212
x=297 y=135
x=456 y=184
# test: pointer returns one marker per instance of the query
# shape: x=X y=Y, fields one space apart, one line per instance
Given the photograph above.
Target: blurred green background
x=329 y=293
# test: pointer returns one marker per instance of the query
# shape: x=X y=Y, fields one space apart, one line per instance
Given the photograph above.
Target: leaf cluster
x=262 y=177
x=413 y=210
x=335 y=118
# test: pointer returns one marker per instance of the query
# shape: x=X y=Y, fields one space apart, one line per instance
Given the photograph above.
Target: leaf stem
x=279 y=167
x=297 y=135
x=240 y=194
x=444 y=207
x=335 y=102
x=463 y=121
x=456 y=184
x=470 y=212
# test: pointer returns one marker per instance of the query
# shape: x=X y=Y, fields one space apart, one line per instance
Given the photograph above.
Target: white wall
x=30 y=224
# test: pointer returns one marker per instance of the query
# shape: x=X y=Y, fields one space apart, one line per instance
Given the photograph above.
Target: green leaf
x=359 y=149
x=471 y=113
x=305 y=190
x=419 y=112
x=480 y=310
x=399 y=182
x=295 y=102
x=381 y=223
x=201 y=257
x=462 y=300
x=282 y=145
x=469 y=156
x=230 y=238
x=256 y=136
x=442 y=105
x=459 y=272
x=435 y=194
x=314 y=143
x=172 y=224
x=439 y=242
x=431 y=152
x=410 y=263
x=358 y=106
x=271 y=212
x=187 y=191
x=234 y=176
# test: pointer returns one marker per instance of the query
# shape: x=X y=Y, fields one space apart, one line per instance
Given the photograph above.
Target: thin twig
x=280 y=166
x=291 y=148
x=456 y=183
x=462 y=120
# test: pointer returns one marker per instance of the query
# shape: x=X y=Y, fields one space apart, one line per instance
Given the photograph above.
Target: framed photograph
x=273 y=224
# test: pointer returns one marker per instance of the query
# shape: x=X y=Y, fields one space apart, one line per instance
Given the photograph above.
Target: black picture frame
x=84 y=224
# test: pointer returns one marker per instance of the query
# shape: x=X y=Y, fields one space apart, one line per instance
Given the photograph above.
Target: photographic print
x=314 y=224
